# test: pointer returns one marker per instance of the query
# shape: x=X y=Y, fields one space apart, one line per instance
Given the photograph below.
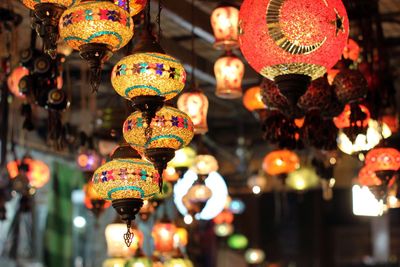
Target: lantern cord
x=147 y=17
x=128 y=236
x=159 y=21
x=193 y=83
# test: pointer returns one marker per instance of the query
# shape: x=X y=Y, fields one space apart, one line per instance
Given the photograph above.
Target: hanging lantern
x=195 y=104
x=135 y=6
x=184 y=158
x=367 y=177
x=257 y=183
x=46 y=17
x=350 y=86
x=302 y=179
x=351 y=50
x=142 y=75
x=96 y=28
x=126 y=180
x=391 y=121
x=223 y=230
x=181 y=238
x=280 y=162
x=205 y=164
x=163 y=235
x=116 y=247
x=272 y=42
x=88 y=160
x=170 y=174
x=317 y=96
x=13 y=81
x=170 y=130
x=238 y=241
x=364 y=142
x=353 y=120
x=271 y=96
x=252 y=99
x=93 y=201
x=224 y=21
x=225 y=217
x=383 y=159
x=229 y=71
x=37 y=172
x=254 y=256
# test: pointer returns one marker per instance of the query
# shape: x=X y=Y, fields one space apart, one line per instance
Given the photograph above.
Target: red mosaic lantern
x=384 y=161
x=317 y=96
x=367 y=177
x=224 y=21
x=252 y=99
x=163 y=234
x=229 y=71
x=292 y=42
x=93 y=201
x=37 y=172
x=350 y=86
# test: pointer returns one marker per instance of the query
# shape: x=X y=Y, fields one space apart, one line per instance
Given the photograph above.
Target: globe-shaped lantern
x=163 y=235
x=37 y=172
x=317 y=96
x=96 y=28
x=252 y=99
x=46 y=17
x=134 y=6
x=13 y=81
x=385 y=161
x=88 y=160
x=199 y=193
x=205 y=164
x=257 y=183
x=184 y=158
x=126 y=180
x=93 y=201
x=229 y=71
x=195 y=104
x=350 y=86
x=170 y=130
x=292 y=42
x=224 y=21
x=281 y=162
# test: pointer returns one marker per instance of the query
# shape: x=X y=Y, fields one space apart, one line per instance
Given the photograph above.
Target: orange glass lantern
x=343 y=120
x=351 y=50
x=195 y=104
x=163 y=234
x=392 y=122
x=367 y=177
x=382 y=159
x=93 y=201
x=280 y=162
x=225 y=217
x=170 y=174
x=13 y=81
x=252 y=99
x=37 y=171
x=229 y=71
x=224 y=21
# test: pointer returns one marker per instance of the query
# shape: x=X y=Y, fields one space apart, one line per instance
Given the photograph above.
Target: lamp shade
x=252 y=99
x=126 y=178
x=350 y=85
x=184 y=158
x=13 y=81
x=115 y=243
x=171 y=128
x=382 y=159
x=317 y=96
x=279 y=37
x=32 y=3
x=205 y=164
x=148 y=74
x=229 y=71
x=367 y=177
x=280 y=162
x=302 y=179
x=135 y=6
x=224 y=21
x=37 y=171
x=163 y=235
x=195 y=104
x=93 y=21
x=343 y=120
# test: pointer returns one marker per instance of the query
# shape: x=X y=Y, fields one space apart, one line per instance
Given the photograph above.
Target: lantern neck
x=292 y=86
x=127 y=208
x=160 y=158
x=125 y=151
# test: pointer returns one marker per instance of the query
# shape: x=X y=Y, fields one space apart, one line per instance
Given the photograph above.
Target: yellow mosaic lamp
x=46 y=16
x=96 y=28
x=135 y=6
x=126 y=180
x=170 y=130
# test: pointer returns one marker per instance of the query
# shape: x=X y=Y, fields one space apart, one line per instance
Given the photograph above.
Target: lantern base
x=95 y=54
x=127 y=208
x=292 y=86
x=386 y=176
x=160 y=158
x=148 y=105
x=49 y=16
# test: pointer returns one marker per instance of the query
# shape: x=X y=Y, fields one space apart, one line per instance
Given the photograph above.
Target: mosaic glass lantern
x=198 y=193
x=195 y=104
x=343 y=120
x=183 y=160
x=170 y=130
x=46 y=17
x=37 y=172
x=382 y=159
x=96 y=29
x=126 y=180
x=350 y=86
x=280 y=162
x=116 y=247
x=367 y=177
x=13 y=81
x=252 y=99
x=317 y=96
x=229 y=71
x=163 y=235
x=135 y=6
x=93 y=201
x=205 y=164
x=292 y=42
x=224 y=21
